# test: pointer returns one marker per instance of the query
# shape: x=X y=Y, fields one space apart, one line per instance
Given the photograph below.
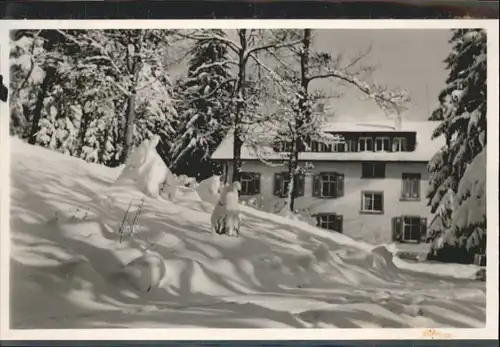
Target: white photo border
x=489 y=332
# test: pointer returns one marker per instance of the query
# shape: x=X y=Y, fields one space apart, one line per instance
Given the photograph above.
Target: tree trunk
x=82 y=132
x=240 y=93
x=128 y=135
x=292 y=172
x=303 y=112
x=237 y=144
x=50 y=73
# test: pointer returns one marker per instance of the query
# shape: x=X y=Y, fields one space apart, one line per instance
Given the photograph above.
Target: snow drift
x=89 y=250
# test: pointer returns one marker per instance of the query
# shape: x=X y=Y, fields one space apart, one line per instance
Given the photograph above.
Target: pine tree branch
x=212 y=36
x=213 y=92
x=211 y=65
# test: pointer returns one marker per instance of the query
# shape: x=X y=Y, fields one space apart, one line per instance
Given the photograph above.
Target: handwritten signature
x=433 y=333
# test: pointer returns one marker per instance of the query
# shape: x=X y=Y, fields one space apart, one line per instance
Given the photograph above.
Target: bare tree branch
x=384 y=98
x=358 y=58
x=273 y=45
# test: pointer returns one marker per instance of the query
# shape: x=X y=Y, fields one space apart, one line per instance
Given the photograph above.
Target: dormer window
x=338 y=147
x=382 y=144
x=399 y=144
x=283 y=147
x=365 y=144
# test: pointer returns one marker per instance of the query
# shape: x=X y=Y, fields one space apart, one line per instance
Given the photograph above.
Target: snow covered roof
x=424 y=151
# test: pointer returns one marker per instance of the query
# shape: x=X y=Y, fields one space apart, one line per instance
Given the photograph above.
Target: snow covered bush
x=209 y=189
x=226 y=214
x=152 y=176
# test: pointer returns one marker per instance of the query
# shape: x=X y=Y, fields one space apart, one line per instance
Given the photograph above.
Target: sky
x=407 y=59
x=410 y=59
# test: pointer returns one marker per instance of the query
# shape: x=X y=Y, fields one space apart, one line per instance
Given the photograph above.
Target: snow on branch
x=95 y=44
x=208 y=66
x=276 y=44
x=386 y=99
x=211 y=36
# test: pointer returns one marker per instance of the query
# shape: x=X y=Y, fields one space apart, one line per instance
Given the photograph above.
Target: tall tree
x=4 y=92
x=134 y=69
x=458 y=170
x=315 y=65
x=245 y=47
x=204 y=117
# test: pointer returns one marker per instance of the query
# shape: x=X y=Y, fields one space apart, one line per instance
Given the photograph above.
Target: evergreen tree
x=457 y=170
x=93 y=94
x=203 y=111
x=4 y=92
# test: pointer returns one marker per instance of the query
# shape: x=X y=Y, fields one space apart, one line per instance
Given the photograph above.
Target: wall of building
x=373 y=228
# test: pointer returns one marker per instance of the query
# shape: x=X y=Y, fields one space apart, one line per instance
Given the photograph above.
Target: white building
x=372 y=187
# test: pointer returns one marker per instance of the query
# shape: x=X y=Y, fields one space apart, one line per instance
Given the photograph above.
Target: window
x=372 y=170
x=351 y=145
x=410 y=186
x=409 y=229
x=330 y=222
x=338 y=147
x=399 y=144
x=382 y=144
x=328 y=185
x=317 y=146
x=365 y=144
x=283 y=146
x=372 y=202
x=281 y=182
x=250 y=183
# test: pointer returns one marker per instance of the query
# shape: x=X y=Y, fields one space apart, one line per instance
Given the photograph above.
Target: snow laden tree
x=244 y=47
x=134 y=74
x=301 y=125
x=458 y=171
x=35 y=61
x=57 y=113
x=4 y=92
x=203 y=107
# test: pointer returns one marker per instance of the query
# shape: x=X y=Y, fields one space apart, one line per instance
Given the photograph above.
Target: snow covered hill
x=71 y=267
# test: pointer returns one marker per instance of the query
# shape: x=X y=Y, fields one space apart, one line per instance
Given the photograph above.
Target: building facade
x=371 y=186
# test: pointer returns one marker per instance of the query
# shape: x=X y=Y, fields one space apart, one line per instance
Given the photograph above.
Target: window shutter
x=364 y=170
x=404 y=188
x=340 y=185
x=299 y=189
x=339 y=222
x=256 y=183
x=396 y=228
x=423 y=229
x=318 y=220
x=277 y=184
x=316 y=191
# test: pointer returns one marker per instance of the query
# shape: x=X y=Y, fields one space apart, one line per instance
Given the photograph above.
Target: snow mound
x=109 y=255
x=143 y=273
x=209 y=189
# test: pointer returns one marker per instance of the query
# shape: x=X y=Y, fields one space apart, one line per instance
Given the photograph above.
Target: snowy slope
x=71 y=268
